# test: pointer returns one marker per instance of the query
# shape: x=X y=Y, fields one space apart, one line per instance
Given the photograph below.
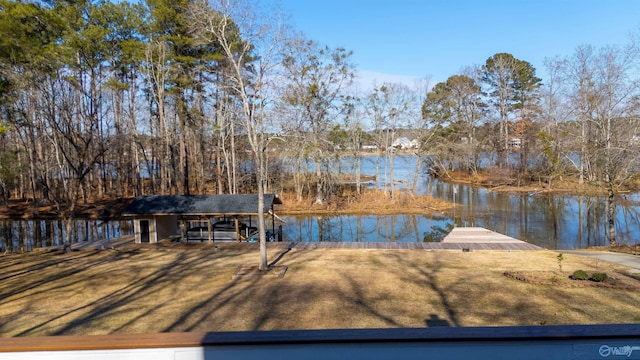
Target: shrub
x=580 y=275
x=598 y=277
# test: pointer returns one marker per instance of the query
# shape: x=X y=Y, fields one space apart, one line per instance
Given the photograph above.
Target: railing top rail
x=283 y=337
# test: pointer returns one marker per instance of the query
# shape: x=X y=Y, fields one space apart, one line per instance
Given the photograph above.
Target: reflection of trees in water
x=595 y=228
x=628 y=225
x=368 y=228
x=550 y=221
x=391 y=228
x=26 y=235
x=327 y=228
x=416 y=228
x=590 y=220
x=355 y=229
x=437 y=233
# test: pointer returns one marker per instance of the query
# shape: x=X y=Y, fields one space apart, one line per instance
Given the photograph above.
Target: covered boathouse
x=160 y=217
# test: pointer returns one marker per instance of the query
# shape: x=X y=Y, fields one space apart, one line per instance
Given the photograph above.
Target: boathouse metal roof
x=239 y=204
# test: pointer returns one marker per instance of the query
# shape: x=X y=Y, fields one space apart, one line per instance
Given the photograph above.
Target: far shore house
x=160 y=217
x=403 y=143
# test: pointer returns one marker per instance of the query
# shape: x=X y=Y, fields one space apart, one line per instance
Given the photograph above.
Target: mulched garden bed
x=616 y=281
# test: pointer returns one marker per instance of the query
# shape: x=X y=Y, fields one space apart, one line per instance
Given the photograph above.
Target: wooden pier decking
x=461 y=239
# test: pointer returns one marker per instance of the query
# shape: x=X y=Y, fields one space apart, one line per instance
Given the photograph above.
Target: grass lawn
x=175 y=288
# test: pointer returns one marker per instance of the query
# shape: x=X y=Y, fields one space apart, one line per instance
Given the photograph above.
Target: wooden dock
x=460 y=239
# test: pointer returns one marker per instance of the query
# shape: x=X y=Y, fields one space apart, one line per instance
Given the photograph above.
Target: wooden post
x=237 y=229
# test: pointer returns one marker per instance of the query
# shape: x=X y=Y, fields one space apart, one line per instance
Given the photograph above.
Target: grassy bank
x=370 y=202
x=191 y=288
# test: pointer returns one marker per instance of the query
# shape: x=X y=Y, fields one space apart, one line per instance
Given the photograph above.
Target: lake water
x=366 y=228
x=25 y=235
x=550 y=221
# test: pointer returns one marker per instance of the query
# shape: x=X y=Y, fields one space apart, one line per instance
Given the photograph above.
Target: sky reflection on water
x=549 y=221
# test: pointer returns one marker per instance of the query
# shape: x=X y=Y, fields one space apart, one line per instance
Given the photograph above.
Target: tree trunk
x=611 y=215
x=263 y=266
x=392 y=186
x=319 y=183
x=68 y=222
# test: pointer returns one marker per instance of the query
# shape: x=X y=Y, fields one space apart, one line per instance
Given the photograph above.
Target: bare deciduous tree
x=602 y=91
x=318 y=77
x=391 y=107
x=241 y=32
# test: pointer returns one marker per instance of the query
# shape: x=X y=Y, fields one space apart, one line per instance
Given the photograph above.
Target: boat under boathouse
x=161 y=217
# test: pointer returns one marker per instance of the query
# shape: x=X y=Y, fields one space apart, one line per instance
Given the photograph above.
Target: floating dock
x=478 y=235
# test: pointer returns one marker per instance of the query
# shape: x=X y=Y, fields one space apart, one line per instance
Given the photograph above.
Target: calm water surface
x=25 y=235
x=550 y=221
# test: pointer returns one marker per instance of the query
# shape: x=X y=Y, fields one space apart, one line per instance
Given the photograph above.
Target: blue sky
x=400 y=40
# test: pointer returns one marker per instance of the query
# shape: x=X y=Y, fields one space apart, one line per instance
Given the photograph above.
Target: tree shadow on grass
x=105 y=304
x=260 y=294
x=40 y=265
x=282 y=254
x=435 y=321
x=196 y=315
x=359 y=300
x=21 y=283
x=340 y=299
x=144 y=287
x=427 y=277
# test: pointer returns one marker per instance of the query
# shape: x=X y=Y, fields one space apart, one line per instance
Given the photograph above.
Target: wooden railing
x=528 y=342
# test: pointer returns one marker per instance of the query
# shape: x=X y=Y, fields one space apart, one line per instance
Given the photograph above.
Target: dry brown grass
x=190 y=288
x=502 y=180
x=370 y=202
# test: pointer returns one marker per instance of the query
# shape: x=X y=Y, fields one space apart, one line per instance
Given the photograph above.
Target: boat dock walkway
x=460 y=238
